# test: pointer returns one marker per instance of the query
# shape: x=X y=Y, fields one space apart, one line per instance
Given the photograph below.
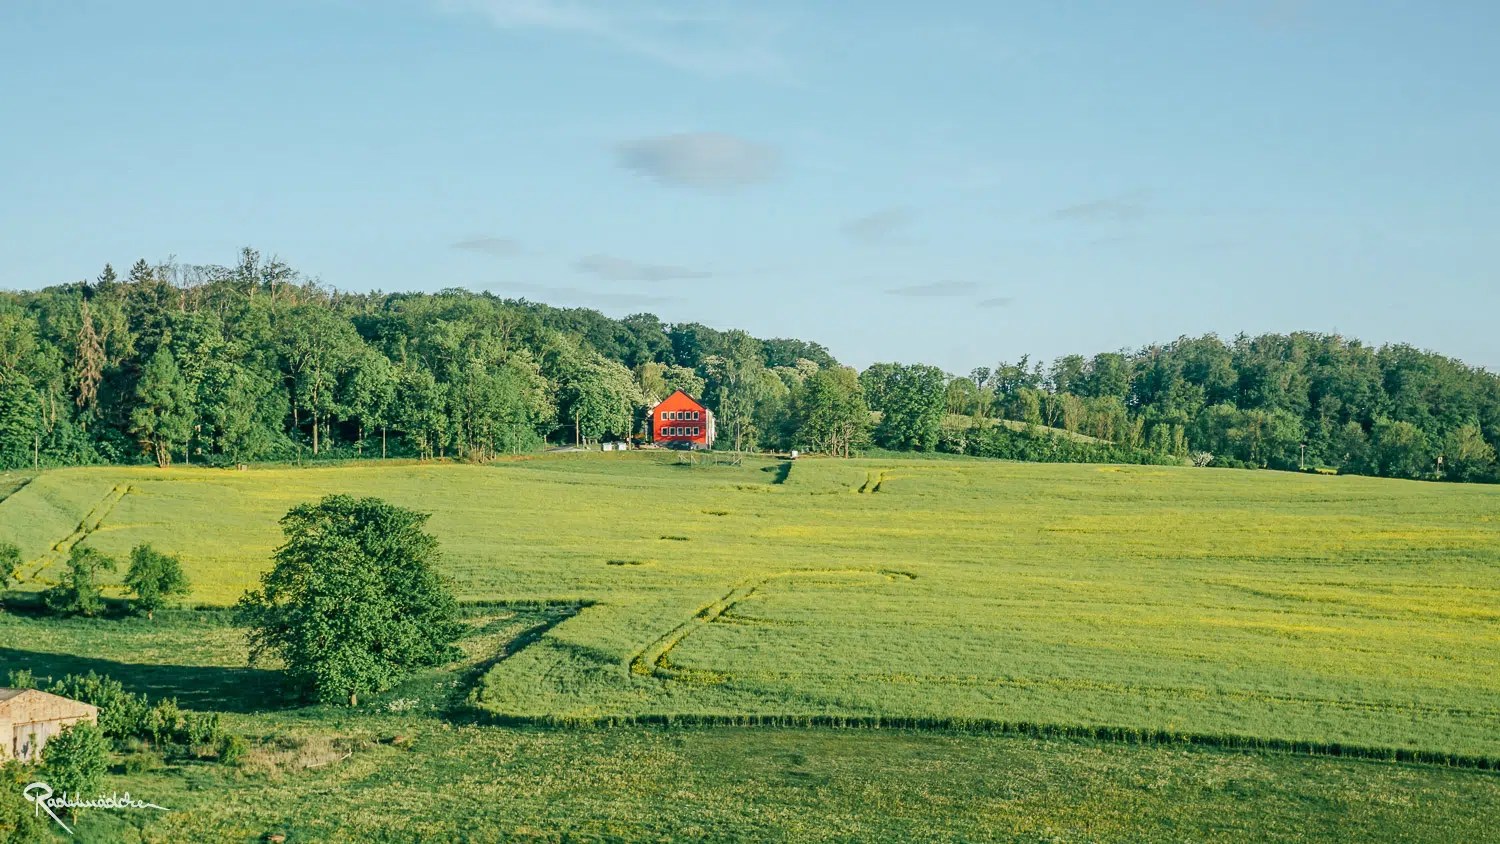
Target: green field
x=333 y=774
x=950 y=599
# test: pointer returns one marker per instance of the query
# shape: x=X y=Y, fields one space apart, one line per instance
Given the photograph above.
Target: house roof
x=14 y=702
x=685 y=401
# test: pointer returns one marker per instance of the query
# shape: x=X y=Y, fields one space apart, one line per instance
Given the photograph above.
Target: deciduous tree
x=155 y=578
x=163 y=415
x=353 y=602
x=77 y=593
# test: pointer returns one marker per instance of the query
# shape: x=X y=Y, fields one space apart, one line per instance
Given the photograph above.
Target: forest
x=255 y=361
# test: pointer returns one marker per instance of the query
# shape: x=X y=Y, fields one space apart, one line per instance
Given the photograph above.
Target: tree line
x=255 y=361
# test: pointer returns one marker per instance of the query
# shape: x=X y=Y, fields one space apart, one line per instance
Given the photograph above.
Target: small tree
x=78 y=592
x=155 y=578
x=353 y=602
x=10 y=564
x=75 y=760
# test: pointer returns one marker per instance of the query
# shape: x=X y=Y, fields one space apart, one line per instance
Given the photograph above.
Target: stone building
x=29 y=717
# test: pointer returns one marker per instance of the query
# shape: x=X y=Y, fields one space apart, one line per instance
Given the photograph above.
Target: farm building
x=681 y=419
x=28 y=718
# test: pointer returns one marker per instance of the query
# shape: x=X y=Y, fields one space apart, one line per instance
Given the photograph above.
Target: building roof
x=15 y=702
x=685 y=401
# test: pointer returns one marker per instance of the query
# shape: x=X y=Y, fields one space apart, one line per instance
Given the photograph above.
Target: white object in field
x=794 y=454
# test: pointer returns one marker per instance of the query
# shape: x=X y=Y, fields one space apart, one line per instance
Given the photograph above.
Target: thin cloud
x=936 y=289
x=879 y=227
x=500 y=247
x=703 y=160
x=1117 y=209
x=716 y=40
x=996 y=302
x=624 y=269
x=581 y=295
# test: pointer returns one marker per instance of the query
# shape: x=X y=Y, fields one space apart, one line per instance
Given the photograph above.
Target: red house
x=681 y=419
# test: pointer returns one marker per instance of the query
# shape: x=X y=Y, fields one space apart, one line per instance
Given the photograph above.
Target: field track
x=90 y=523
x=652 y=661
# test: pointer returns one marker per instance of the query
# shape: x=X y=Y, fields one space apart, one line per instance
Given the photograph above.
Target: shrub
x=201 y=728
x=122 y=714
x=10 y=562
x=143 y=761
x=232 y=748
x=164 y=722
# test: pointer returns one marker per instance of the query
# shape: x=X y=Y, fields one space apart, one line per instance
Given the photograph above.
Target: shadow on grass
x=201 y=687
x=461 y=708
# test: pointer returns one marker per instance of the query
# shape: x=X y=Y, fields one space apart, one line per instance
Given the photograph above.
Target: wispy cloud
x=936 y=289
x=996 y=302
x=703 y=160
x=500 y=247
x=1115 y=209
x=879 y=227
x=624 y=269
x=579 y=295
x=714 y=38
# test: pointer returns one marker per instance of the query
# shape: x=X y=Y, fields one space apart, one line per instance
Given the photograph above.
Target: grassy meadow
x=414 y=765
x=948 y=600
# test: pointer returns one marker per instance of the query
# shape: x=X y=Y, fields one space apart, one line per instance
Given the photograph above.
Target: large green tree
x=912 y=406
x=163 y=415
x=827 y=413
x=20 y=421
x=597 y=397
x=353 y=603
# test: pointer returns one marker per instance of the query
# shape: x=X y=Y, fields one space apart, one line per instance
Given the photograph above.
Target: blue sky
x=947 y=182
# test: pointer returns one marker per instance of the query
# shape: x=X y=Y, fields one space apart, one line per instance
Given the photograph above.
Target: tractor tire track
x=873 y=481
x=651 y=661
x=91 y=522
x=17 y=487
